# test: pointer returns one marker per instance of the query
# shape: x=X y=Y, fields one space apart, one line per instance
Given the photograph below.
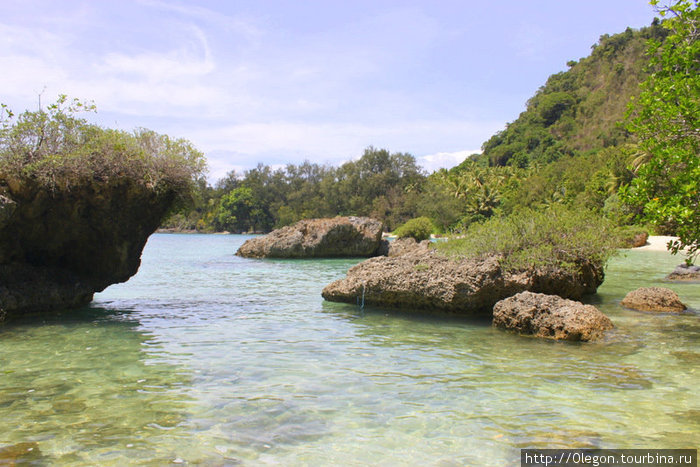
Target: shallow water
x=206 y=358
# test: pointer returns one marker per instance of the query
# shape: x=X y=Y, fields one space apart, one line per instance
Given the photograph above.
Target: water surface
x=207 y=358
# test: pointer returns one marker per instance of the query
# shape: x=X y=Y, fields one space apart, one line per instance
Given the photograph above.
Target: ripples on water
x=207 y=358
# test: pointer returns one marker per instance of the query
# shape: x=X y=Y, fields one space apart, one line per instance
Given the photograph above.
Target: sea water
x=205 y=358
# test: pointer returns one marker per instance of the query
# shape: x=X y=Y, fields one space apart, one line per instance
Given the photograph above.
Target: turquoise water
x=206 y=358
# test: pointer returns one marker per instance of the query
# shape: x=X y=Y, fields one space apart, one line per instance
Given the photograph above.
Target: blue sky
x=282 y=81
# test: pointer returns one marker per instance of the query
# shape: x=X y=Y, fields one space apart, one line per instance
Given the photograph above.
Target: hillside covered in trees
x=570 y=146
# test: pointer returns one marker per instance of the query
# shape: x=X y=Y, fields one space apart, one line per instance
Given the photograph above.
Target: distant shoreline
x=654 y=242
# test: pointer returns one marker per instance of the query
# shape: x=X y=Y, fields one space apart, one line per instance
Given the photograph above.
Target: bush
x=419 y=228
x=557 y=237
x=57 y=150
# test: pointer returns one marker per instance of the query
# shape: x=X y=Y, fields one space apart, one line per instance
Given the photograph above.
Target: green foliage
x=550 y=107
x=553 y=238
x=419 y=228
x=380 y=184
x=666 y=118
x=577 y=111
x=56 y=149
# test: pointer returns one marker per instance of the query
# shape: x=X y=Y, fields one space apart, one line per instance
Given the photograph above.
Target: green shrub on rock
x=556 y=237
x=57 y=150
x=419 y=228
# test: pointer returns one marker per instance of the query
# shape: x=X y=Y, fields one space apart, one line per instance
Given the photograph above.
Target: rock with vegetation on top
x=659 y=299
x=551 y=317
x=318 y=238
x=77 y=204
x=684 y=272
x=429 y=281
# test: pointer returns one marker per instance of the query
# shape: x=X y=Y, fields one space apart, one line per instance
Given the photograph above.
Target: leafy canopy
x=666 y=118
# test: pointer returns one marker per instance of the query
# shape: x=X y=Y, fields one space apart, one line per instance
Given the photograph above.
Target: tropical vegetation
x=57 y=150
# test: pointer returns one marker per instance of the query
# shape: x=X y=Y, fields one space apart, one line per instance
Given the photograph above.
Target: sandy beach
x=656 y=243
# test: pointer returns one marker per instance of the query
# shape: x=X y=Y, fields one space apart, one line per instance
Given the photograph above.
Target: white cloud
x=241 y=93
x=334 y=143
x=444 y=160
x=162 y=67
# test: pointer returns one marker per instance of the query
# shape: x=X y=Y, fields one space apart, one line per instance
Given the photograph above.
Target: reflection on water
x=204 y=357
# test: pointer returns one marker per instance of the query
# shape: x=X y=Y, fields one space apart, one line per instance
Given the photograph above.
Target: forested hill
x=568 y=147
x=578 y=110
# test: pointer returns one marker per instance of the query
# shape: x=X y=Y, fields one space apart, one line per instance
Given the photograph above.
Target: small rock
x=683 y=272
x=640 y=239
x=657 y=299
x=406 y=246
x=551 y=317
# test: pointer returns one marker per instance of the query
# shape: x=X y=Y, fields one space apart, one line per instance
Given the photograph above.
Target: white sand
x=656 y=243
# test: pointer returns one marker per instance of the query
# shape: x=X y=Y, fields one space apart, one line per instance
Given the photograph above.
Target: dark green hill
x=577 y=110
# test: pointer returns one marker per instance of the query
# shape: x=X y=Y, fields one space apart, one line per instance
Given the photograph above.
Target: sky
x=278 y=82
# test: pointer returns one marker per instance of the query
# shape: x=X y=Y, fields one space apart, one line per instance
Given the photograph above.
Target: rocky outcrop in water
x=684 y=272
x=550 y=317
x=429 y=281
x=60 y=246
x=658 y=299
x=318 y=238
x=638 y=240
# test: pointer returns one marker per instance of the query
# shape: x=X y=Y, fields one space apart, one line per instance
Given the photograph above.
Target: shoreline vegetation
x=653 y=242
x=581 y=143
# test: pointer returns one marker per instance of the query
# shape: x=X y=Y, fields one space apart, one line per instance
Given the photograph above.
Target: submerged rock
x=58 y=247
x=318 y=238
x=657 y=299
x=683 y=272
x=21 y=453
x=551 y=317
x=429 y=281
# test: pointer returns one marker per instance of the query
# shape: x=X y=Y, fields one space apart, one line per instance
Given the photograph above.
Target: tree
x=666 y=118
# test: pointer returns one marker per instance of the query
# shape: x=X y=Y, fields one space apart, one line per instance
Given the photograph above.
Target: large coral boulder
x=318 y=238
x=58 y=247
x=551 y=317
x=429 y=281
x=658 y=299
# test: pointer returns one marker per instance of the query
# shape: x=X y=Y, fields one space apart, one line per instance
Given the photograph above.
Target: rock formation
x=430 y=281
x=657 y=299
x=639 y=239
x=318 y=238
x=58 y=247
x=550 y=317
x=408 y=245
x=683 y=272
